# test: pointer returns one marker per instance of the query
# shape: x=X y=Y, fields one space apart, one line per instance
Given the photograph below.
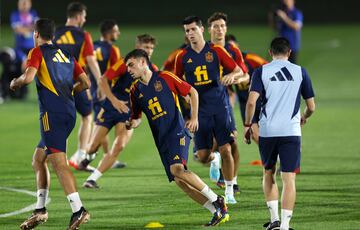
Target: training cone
x=154 y=225
x=256 y=162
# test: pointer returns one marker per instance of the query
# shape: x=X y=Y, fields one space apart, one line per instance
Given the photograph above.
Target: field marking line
x=27 y=208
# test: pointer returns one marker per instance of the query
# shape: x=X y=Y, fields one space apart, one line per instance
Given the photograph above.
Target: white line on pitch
x=27 y=208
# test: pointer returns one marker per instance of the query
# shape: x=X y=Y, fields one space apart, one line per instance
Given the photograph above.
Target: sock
x=42 y=195
x=216 y=160
x=90 y=157
x=75 y=202
x=285 y=218
x=234 y=180
x=229 y=187
x=273 y=206
x=95 y=175
x=209 y=206
x=206 y=191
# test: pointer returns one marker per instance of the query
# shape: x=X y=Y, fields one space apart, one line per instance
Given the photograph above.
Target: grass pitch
x=328 y=187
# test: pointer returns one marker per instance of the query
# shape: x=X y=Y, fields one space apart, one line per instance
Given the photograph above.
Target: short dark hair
x=190 y=19
x=107 y=25
x=46 y=28
x=230 y=37
x=280 y=45
x=145 y=38
x=75 y=8
x=137 y=53
x=217 y=16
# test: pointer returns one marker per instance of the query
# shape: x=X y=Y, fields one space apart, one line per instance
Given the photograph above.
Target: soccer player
x=56 y=72
x=169 y=64
x=280 y=83
x=114 y=112
x=22 y=22
x=78 y=43
x=217 y=27
x=289 y=22
x=155 y=94
x=107 y=54
x=200 y=64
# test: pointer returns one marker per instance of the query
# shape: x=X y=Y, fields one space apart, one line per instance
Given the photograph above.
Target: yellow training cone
x=154 y=225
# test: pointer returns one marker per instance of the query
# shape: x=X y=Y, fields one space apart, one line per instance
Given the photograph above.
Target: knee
x=177 y=171
x=203 y=156
x=37 y=163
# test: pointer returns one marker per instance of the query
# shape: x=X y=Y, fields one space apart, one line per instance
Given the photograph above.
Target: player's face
x=136 y=67
x=289 y=3
x=147 y=47
x=24 y=5
x=115 y=33
x=81 y=18
x=194 y=33
x=218 y=30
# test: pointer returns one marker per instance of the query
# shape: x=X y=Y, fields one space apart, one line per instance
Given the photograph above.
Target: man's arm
x=26 y=78
x=193 y=123
x=118 y=104
x=308 y=111
x=295 y=25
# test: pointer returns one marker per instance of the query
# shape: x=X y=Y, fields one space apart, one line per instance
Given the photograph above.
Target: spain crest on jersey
x=158 y=86
x=209 y=57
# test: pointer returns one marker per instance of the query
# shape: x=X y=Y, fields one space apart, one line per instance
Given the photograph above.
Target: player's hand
x=247 y=135
x=192 y=125
x=281 y=14
x=120 y=106
x=14 y=85
x=303 y=121
x=227 y=79
x=100 y=95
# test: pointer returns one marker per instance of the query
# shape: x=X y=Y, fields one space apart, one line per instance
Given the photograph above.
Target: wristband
x=247 y=125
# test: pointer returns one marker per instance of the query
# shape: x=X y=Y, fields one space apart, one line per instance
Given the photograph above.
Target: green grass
x=328 y=188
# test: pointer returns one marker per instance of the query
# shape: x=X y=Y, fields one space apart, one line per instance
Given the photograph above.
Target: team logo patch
x=189 y=61
x=209 y=57
x=158 y=86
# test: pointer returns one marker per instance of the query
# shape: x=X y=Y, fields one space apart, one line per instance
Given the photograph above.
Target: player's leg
x=83 y=104
x=224 y=137
x=99 y=132
x=268 y=152
x=197 y=190
x=55 y=130
x=40 y=214
x=123 y=136
x=290 y=154
x=236 y=156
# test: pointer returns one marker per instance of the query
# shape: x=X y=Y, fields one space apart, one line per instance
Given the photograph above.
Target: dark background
x=172 y=12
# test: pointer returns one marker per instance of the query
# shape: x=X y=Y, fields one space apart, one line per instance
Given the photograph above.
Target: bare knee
x=204 y=156
x=39 y=159
x=225 y=152
x=177 y=171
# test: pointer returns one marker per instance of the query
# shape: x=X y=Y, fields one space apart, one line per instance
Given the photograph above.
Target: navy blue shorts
x=83 y=103
x=288 y=149
x=96 y=108
x=175 y=153
x=109 y=118
x=218 y=126
x=55 y=128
